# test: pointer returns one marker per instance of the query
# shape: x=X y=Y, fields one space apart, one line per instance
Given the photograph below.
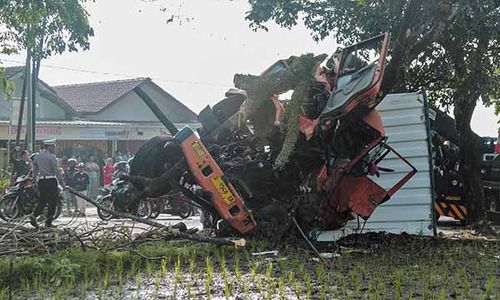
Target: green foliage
x=4 y=180
x=465 y=58
x=440 y=37
x=414 y=24
x=448 y=47
x=427 y=268
x=46 y=27
x=349 y=20
x=6 y=85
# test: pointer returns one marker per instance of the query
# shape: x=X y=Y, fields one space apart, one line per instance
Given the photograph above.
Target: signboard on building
x=103 y=133
x=45 y=131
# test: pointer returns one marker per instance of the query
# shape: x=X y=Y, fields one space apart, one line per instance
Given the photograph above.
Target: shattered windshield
x=357 y=58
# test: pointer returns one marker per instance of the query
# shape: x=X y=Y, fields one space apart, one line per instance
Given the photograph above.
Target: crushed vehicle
x=259 y=165
x=450 y=197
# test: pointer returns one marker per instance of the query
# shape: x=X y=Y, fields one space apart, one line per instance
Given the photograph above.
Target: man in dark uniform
x=20 y=160
x=46 y=170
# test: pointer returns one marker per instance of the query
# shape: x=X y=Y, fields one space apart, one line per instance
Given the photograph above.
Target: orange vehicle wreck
x=259 y=163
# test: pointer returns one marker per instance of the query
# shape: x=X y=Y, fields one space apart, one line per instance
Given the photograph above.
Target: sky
x=194 y=58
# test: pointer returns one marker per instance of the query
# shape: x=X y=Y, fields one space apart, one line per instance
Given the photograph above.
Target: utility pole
x=29 y=117
x=156 y=110
x=34 y=85
x=23 y=99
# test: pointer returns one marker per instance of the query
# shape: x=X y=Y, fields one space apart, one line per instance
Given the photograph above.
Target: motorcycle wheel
x=155 y=211
x=144 y=209
x=9 y=212
x=107 y=202
x=186 y=210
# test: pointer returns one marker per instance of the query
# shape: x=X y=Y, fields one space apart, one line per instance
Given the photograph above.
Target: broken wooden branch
x=171 y=230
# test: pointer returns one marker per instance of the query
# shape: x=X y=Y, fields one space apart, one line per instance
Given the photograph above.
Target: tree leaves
x=424 y=35
x=47 y=27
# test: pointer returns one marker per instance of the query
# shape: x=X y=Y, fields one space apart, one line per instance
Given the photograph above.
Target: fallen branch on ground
x=169 y=230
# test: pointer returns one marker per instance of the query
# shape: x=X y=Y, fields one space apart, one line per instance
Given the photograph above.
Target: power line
x=126 y=75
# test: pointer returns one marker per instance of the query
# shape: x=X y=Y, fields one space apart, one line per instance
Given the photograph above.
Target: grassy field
x=369 y=266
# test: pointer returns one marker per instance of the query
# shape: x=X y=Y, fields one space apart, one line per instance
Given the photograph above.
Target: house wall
x=132 y=108
x=129 y=108
x=46 y=110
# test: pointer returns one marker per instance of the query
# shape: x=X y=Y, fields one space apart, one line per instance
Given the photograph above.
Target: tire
x=7 y=211
x=144 y=209
x=152 y=157
x=106 y=201
x=186 y=210
x=155 y=211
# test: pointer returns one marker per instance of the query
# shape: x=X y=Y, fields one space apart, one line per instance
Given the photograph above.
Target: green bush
x=4 y=180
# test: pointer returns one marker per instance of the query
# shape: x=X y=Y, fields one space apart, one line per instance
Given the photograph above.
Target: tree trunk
x=470 y=155
x=34 y=88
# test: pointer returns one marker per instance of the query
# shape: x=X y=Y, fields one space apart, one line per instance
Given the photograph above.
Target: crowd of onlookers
x=84 y=175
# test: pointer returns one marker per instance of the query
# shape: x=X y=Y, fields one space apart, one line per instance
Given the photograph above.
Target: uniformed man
x=46 y=170
x=20 y=160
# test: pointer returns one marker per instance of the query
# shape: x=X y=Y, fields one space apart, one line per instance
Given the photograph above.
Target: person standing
x=81 y=183
x=93 y=169
x=108 y=172
x=46 y=170
x=20 y=161
x=126 y=155
x=68 y=178
x=118 y=157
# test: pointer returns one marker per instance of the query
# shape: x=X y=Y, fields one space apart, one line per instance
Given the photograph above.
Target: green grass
x=400 y=268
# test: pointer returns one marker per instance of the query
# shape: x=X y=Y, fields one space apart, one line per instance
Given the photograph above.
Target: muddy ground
x=462 y=265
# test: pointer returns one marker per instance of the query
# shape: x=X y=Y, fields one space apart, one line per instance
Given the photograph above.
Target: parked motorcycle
x=174 y=203
x=22 y=198
x=121 y=168
x=118 y=197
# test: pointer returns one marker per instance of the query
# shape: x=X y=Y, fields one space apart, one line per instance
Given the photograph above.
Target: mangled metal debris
x=258 y=164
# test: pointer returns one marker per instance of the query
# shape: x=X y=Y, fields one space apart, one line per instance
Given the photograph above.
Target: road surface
x=92 y=218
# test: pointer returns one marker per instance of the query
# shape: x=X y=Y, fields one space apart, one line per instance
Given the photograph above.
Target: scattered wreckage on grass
x=258 y=165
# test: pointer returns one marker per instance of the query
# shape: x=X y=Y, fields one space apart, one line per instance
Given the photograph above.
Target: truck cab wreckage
x=259 y=165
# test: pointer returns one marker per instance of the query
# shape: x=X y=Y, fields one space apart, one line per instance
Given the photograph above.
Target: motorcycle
x=22 y=198
x=173 y=203
x=118 y=197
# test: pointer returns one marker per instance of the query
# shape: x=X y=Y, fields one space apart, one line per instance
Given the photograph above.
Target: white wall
x=410 y=209
x=46 y=109
x=129 y=108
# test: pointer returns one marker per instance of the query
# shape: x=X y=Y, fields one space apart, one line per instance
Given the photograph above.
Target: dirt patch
x=370 y=266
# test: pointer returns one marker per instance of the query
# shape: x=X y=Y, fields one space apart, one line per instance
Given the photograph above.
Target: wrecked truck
x=259 y=165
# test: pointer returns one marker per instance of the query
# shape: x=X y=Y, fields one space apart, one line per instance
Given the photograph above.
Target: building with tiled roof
x=97 y=118
x=117 y=101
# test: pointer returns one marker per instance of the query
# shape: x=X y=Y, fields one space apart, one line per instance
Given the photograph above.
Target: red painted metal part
x=350 y=194
x=226 y=200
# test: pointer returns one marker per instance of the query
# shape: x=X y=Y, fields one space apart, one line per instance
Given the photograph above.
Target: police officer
x=47 y=171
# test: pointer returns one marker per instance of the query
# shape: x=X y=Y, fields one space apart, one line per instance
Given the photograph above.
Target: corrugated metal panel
x=409 y=210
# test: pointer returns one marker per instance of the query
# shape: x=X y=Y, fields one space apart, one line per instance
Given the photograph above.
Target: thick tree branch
x=404 y=51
